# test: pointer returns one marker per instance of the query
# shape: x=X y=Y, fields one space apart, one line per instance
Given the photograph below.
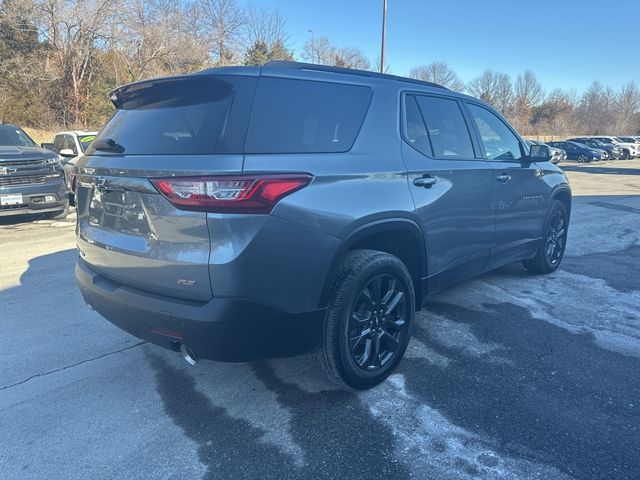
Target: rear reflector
x=166 y=333
x=239 y=194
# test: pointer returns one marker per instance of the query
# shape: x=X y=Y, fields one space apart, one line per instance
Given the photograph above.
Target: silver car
x=249 y=212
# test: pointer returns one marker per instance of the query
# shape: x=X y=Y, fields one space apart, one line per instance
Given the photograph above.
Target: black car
x=614 y=151
x=577 y=151
x=31 y=178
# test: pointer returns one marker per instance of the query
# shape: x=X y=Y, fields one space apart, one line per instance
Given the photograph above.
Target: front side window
x=58 y=143
x=445 y=127
x=500 y=143
x=300 y=116
x=70 y=144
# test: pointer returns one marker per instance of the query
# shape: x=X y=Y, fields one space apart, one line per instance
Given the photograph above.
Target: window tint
x=14 y=137
x=57 y=143
x=85 y=140
x=499 y=141
x=415 y=131
x=70 y=144
x=298 y=116
x=189 y=115
x=446 y=127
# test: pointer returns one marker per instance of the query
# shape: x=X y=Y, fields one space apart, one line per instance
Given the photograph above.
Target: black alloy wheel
x=556 y=238
x=378 y=322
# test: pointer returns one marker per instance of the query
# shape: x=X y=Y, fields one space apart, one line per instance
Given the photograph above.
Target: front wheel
x=626 y=155
x=369 y=319
x=583 y=158
x=554 y=241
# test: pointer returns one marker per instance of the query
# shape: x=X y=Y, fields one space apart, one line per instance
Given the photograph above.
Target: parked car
x=31 y=178
x=69 y=146
x=613 y=150
x=578 y=151
x=557 y=154
x=629 y=150
x=629 y=139
x=246 y=212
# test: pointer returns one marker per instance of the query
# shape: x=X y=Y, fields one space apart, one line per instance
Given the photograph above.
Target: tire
x=547 y=261
x=60 y=214
x=583 y=158
x=625 y=155
x=357 y=323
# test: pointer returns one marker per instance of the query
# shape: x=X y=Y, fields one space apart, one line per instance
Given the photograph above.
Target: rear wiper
x=107 y=145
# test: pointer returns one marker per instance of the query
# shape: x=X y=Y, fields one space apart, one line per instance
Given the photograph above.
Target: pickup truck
x=32 y=179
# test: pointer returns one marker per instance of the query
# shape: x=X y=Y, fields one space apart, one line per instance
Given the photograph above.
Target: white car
x=70 y=146
x=629 y=150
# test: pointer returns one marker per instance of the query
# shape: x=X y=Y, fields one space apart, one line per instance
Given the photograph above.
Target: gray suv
x=248 y=212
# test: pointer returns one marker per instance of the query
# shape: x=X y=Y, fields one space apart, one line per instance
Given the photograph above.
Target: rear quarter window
x=300 y=116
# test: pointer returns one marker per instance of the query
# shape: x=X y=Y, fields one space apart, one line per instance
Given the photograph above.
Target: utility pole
x=313 y=48
x=384 y=33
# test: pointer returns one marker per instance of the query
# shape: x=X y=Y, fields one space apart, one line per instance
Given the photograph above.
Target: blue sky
x=571 y=45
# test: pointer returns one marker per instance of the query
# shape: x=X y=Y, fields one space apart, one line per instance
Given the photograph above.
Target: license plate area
x=11 y=199
x=118 y=210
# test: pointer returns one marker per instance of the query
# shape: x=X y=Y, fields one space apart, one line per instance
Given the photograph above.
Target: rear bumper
x=224 y=329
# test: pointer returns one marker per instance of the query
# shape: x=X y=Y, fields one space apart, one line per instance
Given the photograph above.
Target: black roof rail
x=348 y=71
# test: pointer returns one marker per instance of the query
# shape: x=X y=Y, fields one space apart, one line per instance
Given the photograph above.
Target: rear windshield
x=179 y=116
x=299 y=116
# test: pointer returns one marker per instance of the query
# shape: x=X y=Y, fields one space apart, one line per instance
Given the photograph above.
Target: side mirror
x=539 y=153
x=67 y=153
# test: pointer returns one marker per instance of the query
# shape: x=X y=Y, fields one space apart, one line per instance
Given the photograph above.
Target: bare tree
x=494 y=88
x=628 y=109
x=528 y=90
x=528 y=93
x=319 y=50
x=156 y=37
x=440 y=73
x=555 y=115
x=265 y=25
x=351 y=57
x=221 y=23
x=75 y=31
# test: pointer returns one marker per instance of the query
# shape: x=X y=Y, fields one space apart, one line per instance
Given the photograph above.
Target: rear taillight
x=221 y=194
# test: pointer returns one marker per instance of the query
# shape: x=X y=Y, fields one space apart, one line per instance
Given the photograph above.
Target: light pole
x=384 y=33
x=313 y=48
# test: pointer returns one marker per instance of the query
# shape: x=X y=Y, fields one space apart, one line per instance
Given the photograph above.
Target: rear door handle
x=504 y=178
x=426 y=181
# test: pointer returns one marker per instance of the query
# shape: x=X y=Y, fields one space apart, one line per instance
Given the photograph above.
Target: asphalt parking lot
x=509 y=376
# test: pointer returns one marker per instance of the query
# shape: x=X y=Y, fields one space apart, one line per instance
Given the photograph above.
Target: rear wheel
x=583 y=158
x=369 y=319
x=554 y=241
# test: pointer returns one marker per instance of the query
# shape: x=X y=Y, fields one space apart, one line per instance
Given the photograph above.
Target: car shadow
x=602 y=170
x=339 y=437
